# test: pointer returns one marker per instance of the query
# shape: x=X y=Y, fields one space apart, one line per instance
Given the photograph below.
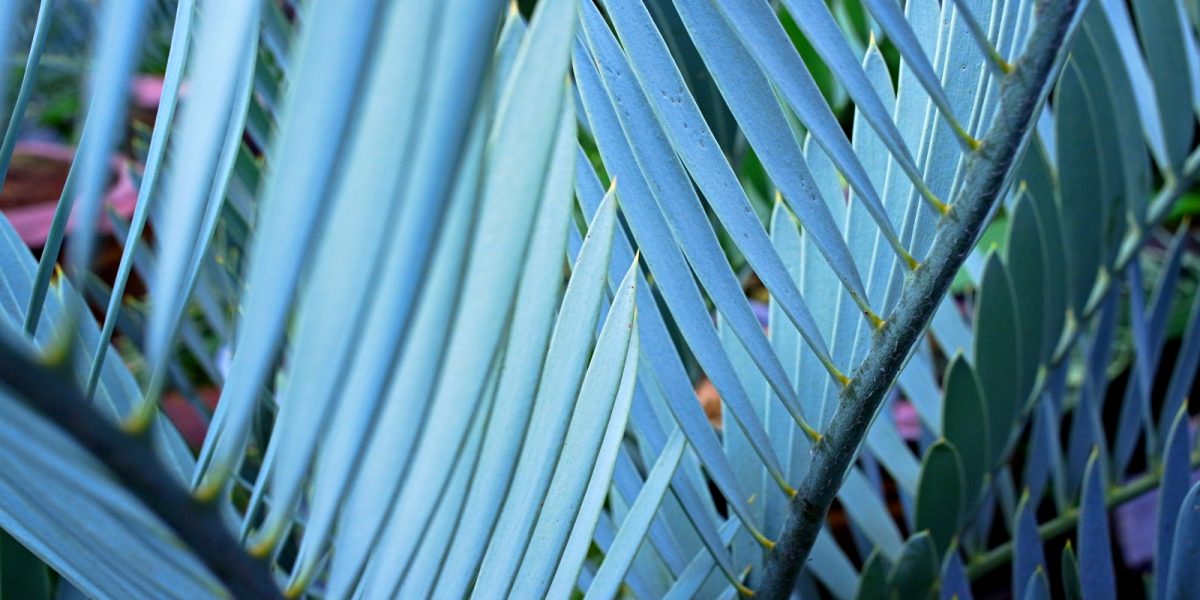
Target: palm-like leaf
x=442 y=417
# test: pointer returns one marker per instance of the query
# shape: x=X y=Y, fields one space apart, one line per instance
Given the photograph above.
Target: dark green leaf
x=965 y=424
x=914 y=575
x=1095 y=542
x=1028 y=557
x=873 y=584
x=997 y=353
x=1072 y=587
x=940 y=495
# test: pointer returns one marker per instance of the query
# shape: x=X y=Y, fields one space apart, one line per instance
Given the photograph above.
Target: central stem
x=1021 y=94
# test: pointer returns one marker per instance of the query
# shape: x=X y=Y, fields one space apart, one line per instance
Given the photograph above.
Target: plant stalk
x=1002 y=554
x=51 y=391
x=1021 y=94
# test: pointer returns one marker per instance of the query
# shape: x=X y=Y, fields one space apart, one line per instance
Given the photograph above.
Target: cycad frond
x=372 y=204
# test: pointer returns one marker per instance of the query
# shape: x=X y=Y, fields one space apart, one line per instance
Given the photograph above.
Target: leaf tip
x=841 y=378
x=813 y=435
x=262 y=548
x=209 y=488
x=139 y=422
x=912 y=263
x=876 y=321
